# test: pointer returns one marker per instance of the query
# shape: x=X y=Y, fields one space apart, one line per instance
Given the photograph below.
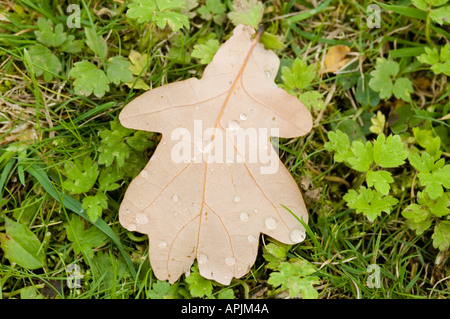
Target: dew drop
x=202 y=259
x=251 y=238
x=230 y=261
x=244 y=217
x=144 y=174
x=141 y=219
x=237 y=199
x=268 y=73
x=128 y=212
x=162 y=245
x=297 y=235
x=174 y=198
x=243 y=116
x=233 y=125
x=271 y=223
x=255 y=210
x=132 y=227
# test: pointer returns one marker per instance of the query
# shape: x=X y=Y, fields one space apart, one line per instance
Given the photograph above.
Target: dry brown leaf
x=335 y=58
x=205 y=205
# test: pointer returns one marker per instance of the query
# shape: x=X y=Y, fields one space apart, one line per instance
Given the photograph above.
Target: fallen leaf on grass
x=211 y=187
x=335 y=58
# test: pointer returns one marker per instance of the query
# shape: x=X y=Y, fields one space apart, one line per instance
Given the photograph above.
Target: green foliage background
x=373 y=170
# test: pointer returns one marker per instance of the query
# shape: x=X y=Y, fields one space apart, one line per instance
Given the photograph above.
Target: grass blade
x=76 y=207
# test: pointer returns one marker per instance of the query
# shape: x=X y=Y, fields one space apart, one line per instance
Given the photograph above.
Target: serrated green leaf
x=138 y=62
x=416 y=213
x=299 y=76
x=226 y=294
x=439 y=206
x=44 y=62
x=198 y=285
x=83 y=240
x=118 y=70
x=441 y=15
x=71 y=45
x=21 y=246
x=440 y=62
x=381 y=80
x=423 y=163
x=441 y=235
x=275 y=253
x=313 y=100
x=247 y=12
x=163 y=290
x=419 y=227
x=140 y=141
x=108 y=179
x=94 y=205
x=160 y=11
x=369 y=202
x=142 y=10
x=431 y=56
x=362 y=157
x=378 y=123
x=433 y=175
x=389 y=152
x=175 y=20
x=402 y=89
x=49 y=36
x=81 y=176
x=421 y=4
x=109 y=153
x=89 y=79
x=430 y=143
x=339 y=143
x=213 y=10
x=295 y=276
x=380 y=180
x=205 y=52
x=435 y=181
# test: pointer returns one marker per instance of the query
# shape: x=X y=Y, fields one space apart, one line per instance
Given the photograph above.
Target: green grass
x=45 y=125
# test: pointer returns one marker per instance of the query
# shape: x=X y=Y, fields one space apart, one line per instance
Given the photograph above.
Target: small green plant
x=95 y=79
x=294 y=275
x=249 y=12
x=160 y=12
x=370 y=159
x=297 y=79
x=213 y=10
x=436 y=10
x=385 y=81
x=117 y=145
x=51 y=37
x=431 y=207
x=439 y=60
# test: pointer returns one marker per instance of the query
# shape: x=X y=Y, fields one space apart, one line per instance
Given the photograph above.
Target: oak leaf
x=215 y=183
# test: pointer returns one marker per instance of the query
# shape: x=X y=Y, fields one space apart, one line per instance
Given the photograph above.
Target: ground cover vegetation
x=374 y=170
